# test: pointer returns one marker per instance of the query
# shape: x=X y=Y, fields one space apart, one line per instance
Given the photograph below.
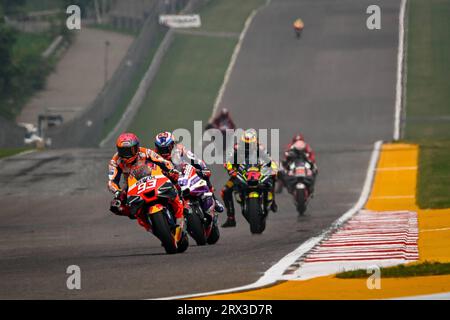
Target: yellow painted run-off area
x=394 y=188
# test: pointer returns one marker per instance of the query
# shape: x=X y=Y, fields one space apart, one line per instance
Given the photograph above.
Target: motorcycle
x=222 y=127
x=299 y=179
x=253 y=184
x=147 y=198
x=201 y=218
x=298 y=33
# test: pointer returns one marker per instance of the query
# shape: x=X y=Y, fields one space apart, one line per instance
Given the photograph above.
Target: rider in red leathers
x=223 y=119
x=129 y=156
x=297 y=148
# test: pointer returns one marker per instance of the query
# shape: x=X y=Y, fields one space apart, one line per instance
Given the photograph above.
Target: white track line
x=275 y=273
x=236 y=51
x=434 y=230
x=400 y=64
x=396 y=168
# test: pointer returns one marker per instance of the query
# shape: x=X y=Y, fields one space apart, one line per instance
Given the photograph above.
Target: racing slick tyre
x=161 y=230
x=300 y=201
x=183 y=244
x=255 y=216
x=195 y=227
x=215 y=235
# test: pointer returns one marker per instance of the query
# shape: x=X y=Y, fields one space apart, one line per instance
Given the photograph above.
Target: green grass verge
x=402 y=271
x=110 y=27
x=428 y=98
x=192 y=72
x=7 y=152
x=136 y=80
x=30 y=44
x=434 y=178
x=186 y=85
x=227 y=15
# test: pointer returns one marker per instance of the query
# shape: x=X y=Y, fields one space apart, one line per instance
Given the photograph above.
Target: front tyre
x=255 y=216
x=183 y=244
x=161 y=230
x=195 y=227
x=214 y=235
x=300 y=201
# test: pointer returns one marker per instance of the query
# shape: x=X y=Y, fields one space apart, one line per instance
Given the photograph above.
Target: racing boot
x=229 y=205
x=273 y=205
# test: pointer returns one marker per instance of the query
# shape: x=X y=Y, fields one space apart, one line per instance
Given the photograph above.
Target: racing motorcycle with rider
x=127 y=164
x=249 y=161
x=194 y=173
x=298 y=171
x=222 y=122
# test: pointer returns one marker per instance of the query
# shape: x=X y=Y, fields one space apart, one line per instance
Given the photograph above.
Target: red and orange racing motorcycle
x=149 y=191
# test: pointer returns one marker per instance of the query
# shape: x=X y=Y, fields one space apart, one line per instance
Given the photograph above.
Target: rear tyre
x=214 y=235
x=255 y=216
x=300 y=201
x=195 y=228
x=161 y=229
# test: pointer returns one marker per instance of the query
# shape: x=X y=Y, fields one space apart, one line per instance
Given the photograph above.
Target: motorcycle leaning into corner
x=298 y=28
x=253 y=193
x=200 y=217
x=147 y=200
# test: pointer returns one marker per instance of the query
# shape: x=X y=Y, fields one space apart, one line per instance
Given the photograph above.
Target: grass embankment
x=192 y=72
x=400 y=271
x=7 y=152
x=428 y=98
x=135 y=81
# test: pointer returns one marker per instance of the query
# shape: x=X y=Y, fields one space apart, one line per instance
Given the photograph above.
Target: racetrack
x=336 y=85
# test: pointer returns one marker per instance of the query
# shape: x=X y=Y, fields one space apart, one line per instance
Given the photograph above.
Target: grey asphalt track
x=336 y=84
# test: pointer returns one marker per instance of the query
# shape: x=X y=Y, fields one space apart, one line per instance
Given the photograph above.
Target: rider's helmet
x=224 y=112
x=250 y=137
x=127 y=147
x=164 y=143
x=297 y=137
x=299 y=145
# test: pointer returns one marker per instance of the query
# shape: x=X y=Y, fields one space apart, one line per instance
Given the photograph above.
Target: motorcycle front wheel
x=255 y=215
x=195 y=227
x=300 y=201
x=161 y=230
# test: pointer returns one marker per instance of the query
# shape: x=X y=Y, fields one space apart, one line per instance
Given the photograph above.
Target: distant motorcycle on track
x=299 y=180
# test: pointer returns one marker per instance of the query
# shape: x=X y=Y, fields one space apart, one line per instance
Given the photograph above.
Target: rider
x=298 y=146
x=223 y=118
x=296 y=149
x=298 y=24
x=252 y=151
x=129 y=156
x=178 y=154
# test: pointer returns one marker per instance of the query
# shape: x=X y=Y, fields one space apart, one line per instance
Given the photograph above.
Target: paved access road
x=336 y=84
